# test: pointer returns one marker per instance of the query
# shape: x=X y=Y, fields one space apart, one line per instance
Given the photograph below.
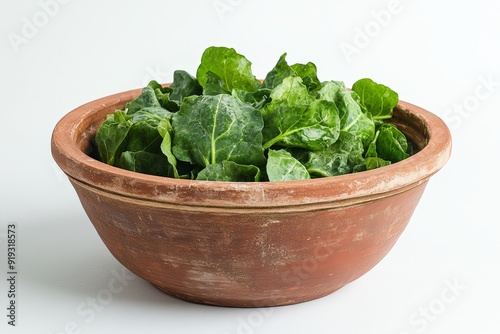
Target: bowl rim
x=384 y=181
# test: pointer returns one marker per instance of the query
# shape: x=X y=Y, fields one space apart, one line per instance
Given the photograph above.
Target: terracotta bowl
x=248 y=244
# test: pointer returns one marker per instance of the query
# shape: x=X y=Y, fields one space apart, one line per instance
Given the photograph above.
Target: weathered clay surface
x=248 y=244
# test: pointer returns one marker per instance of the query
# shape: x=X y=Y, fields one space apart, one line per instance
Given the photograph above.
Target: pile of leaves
x=225 y=125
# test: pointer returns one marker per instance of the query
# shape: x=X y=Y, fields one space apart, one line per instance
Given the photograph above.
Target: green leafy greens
x=225 y=125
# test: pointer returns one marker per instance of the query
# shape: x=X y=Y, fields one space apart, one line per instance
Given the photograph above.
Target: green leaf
x=281 y=166
x=212 y=129
x=280 y=71
x=372 y=163
x=379 y=100
x=165 y=131
x=230 y=171
x=163 y=97
x=291 y=92
x=220 y=124
x=184 y=85
x=110 y=137
x=359 y=168
x=309 y=74
x=214 y=85
x=352 y=118
x=257 y=99
x=314 y=126
x=144 y=162
x=295 y=119
x=371 y=151
x=357 y=98
x=143 y=136
x=391 y=144
x=338 y=159
x=146 y=99
x=165 y=101
x=232 y=68
x=322 y=164
x=151 y=115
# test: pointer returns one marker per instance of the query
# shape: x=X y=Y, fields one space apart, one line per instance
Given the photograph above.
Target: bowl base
x=243 y=301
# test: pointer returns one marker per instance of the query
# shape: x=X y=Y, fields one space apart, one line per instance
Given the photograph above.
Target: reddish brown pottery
x=248 y=244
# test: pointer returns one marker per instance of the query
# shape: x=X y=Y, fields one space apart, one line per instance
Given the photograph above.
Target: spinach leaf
x=352 y=118
x=162 y=96
x=280 y=71
x=379 y=100
x=184 y=84
x=110 y=137
x=340 y=158
x=144 y=162
x=226 y=125
x=233 y=69
x=212 y=129
x=165 y=131
x=371 y=151
x=257 y=99
x=281 y=166
x=291 y=92
x=314 y=126
x=214 y=85
x=373 y=162
x=143 y=136
x=230 y=171
x=309 y=74
x=324 y=163
x=146 y=99
x=295 y=119
x=132 y=133
x=151 y=115
x=391 y=144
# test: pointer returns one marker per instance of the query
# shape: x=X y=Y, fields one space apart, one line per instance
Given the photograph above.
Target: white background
x=441 y=277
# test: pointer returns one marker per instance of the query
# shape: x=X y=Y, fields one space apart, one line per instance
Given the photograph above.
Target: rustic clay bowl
x=248 y=244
